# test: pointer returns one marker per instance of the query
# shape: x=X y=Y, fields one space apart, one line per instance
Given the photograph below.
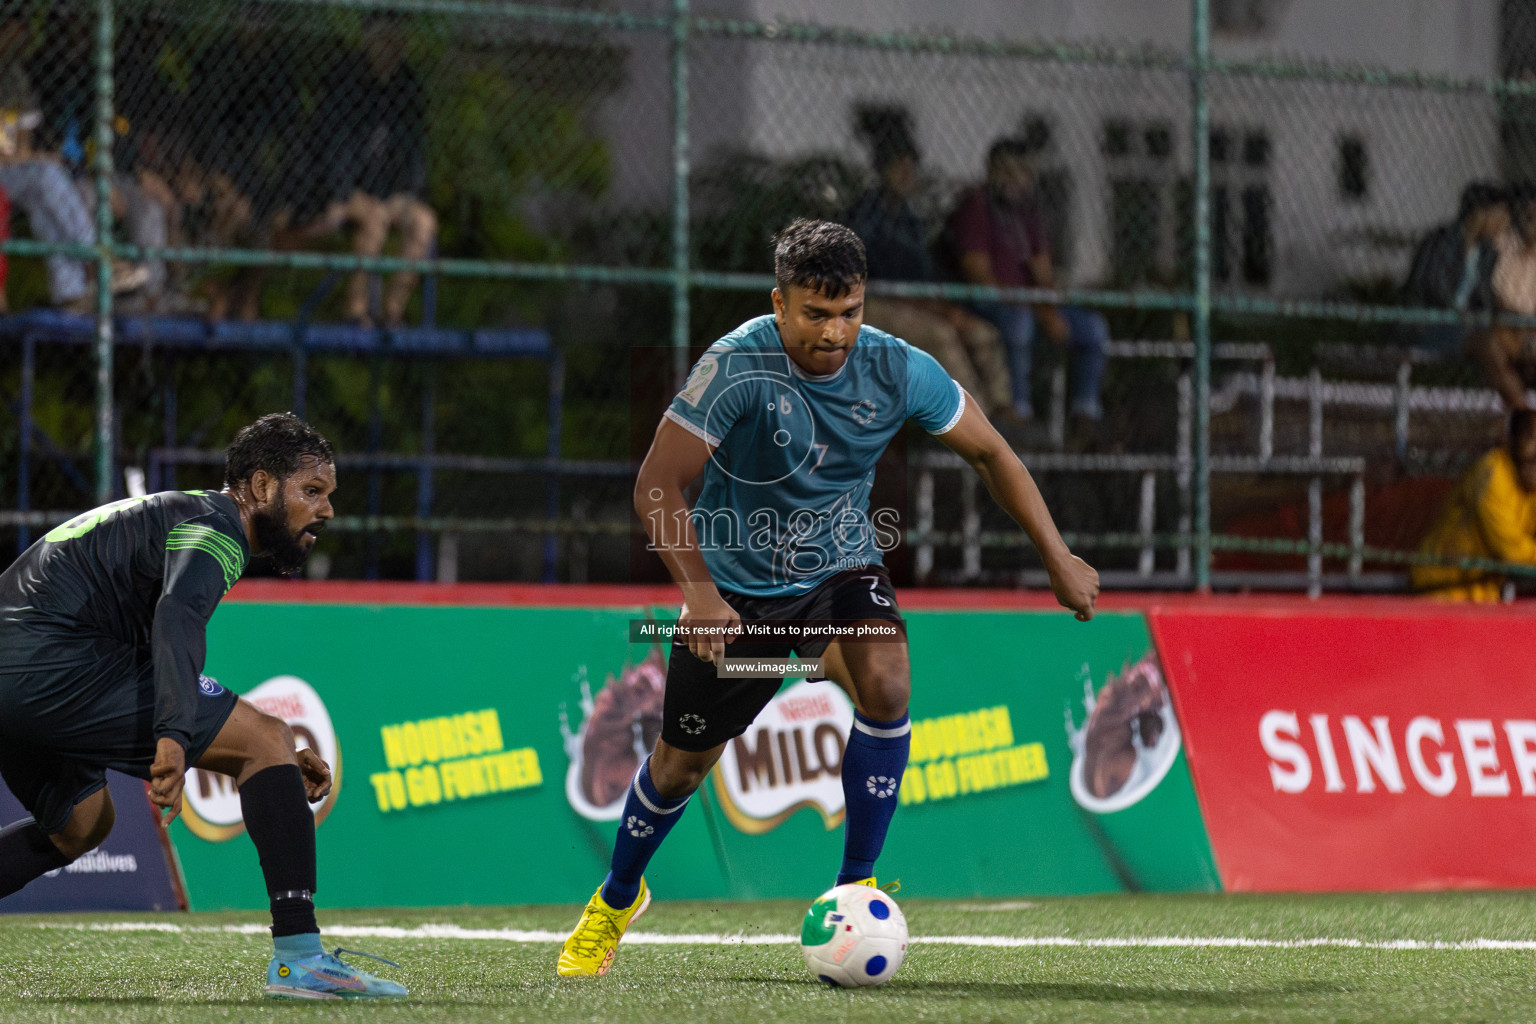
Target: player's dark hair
x=1009 y=145
x=277 y=443
x=1479 y=195
x=819 y=255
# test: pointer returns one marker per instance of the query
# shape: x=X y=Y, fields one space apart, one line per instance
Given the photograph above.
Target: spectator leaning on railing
x=896 y=243
x=1490 y=514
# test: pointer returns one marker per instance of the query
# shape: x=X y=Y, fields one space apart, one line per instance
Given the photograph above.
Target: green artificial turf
x=71 y=968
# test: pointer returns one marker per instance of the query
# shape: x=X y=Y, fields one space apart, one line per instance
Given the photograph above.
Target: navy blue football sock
x=26 y=852
x=872 y=768
x=648 y=817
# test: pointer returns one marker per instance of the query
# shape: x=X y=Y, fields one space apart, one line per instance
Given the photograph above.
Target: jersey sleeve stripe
x=183 y=541
x=696 y=431
x=231 y=571
x=223 y=549
x=210 y=534
x=211 y=538
x=946 y=428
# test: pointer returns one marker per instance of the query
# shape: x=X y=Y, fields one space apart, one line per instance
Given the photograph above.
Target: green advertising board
x=483 y=755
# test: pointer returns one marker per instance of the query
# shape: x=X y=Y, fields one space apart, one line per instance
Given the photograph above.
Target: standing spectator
x=1491 y=514
x=1453 y=268
x=1508 y=354
x=997 y=234
x=368 y=163
x=246 y=102
x=896 y=244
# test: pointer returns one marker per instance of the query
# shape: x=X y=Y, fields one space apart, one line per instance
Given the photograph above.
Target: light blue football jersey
x=785 y=503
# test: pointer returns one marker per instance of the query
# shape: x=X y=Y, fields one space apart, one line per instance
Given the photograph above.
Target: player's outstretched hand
x=317 y=774
x=709 y=624
x=1076 y=585
x=166 y=777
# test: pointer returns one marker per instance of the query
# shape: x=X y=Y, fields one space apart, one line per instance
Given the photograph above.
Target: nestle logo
x=806 y=708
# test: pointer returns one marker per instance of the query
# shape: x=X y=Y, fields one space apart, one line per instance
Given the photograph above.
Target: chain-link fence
x=461 y=236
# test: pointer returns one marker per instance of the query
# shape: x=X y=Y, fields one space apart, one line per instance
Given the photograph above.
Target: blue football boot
x=326 y=977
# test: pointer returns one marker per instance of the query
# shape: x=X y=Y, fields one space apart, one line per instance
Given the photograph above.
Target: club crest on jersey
x=864 y=412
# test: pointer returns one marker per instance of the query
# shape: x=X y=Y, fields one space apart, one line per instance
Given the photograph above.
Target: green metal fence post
x=1200 y=86
x=681 y=260
x=106 y=446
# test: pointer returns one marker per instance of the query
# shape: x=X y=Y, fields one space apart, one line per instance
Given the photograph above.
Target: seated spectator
x=1491 y=514
x=368 y=165
x=896 y=243
x=38 y=184
x=1508 y=354
x=997 y=237
x=64 y=75
x=1453 y=269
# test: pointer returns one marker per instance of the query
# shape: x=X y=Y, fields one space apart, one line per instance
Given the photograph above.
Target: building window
x=1242 y=209
x=1245 y=17
x=1354 y=168
x=1141 y=193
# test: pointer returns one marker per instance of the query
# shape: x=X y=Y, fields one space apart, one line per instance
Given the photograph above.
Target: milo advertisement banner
x=483 y=754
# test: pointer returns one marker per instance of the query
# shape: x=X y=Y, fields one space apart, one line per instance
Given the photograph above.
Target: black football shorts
x=701 y=711
x=60 y=729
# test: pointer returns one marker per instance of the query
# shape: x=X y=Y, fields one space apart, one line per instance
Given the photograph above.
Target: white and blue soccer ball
x=854 y=936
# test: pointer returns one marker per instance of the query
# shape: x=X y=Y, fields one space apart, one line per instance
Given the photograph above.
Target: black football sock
x=278 y=817
x=26 y=853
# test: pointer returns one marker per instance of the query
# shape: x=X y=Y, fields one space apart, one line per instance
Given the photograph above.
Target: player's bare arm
x=974 y=439
x=676 y=458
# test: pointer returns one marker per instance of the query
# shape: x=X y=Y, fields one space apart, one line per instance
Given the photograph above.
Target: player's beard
x=284 y=549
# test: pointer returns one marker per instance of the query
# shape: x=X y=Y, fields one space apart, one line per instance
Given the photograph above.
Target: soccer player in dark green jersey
x=102 y=641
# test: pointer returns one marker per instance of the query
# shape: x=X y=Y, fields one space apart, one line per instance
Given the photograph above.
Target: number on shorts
x=874 y=581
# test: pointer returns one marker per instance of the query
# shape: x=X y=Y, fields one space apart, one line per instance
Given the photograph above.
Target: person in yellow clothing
x=1490 y=514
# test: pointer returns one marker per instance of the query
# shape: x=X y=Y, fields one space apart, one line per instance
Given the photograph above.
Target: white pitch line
x=455 y=932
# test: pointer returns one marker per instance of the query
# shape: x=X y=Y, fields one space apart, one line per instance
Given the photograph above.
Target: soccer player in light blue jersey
x=786 y=417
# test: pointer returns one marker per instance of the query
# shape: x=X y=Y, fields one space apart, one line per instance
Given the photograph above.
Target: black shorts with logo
x=701 y=711
x=61 y=728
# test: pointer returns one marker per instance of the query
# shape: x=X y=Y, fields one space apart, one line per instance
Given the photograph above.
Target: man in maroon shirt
x=998 y=237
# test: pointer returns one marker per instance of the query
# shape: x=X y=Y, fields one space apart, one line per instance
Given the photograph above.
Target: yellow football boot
x=591 y=948
x=888 y=887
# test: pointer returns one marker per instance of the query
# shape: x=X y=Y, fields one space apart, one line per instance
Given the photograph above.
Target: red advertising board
x=1359 y=746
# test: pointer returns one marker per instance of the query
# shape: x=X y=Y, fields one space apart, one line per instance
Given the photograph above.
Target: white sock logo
x=881 y=786
x=638 y=828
